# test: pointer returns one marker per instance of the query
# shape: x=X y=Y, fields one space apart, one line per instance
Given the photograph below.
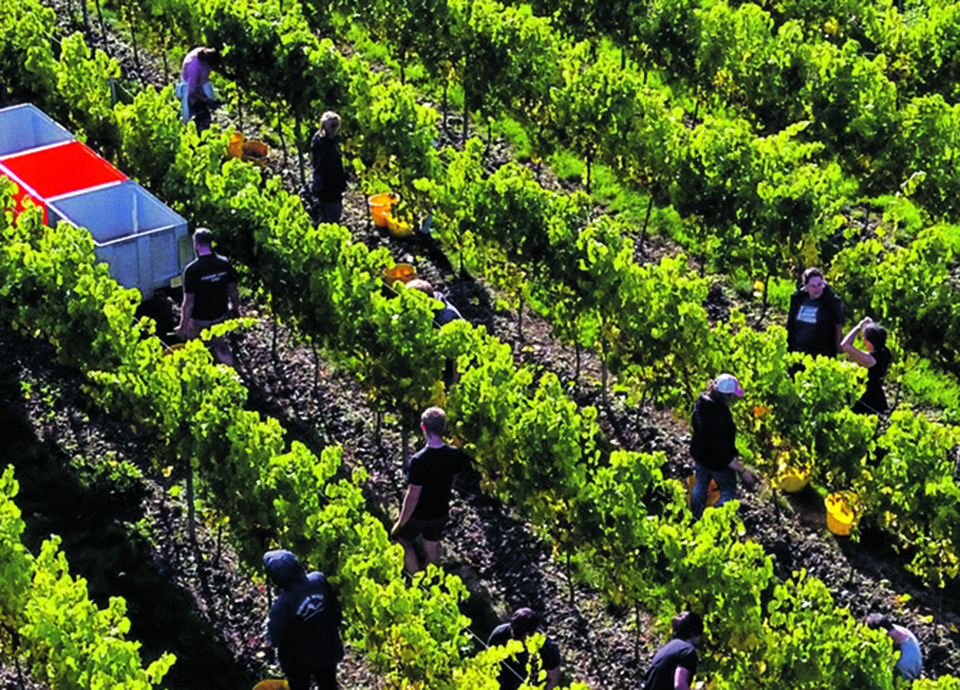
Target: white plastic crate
x=25 y=127
x=144 y=242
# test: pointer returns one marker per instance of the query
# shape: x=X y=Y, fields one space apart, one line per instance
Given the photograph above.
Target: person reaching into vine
x=713 y=444
x=513 y=670
x=876 y=357
x=910 y=663
x=197 y=91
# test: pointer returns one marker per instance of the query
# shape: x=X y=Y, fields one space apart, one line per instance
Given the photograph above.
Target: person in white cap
x=713 y=445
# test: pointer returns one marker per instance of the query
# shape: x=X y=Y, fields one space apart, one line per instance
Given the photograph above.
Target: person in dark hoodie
x=329 y=178
x=303 y=623
x=713 y=444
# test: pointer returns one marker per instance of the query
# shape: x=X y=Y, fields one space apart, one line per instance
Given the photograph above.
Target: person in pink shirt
x=200 y=97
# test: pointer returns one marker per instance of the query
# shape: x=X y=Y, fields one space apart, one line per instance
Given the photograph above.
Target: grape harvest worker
x=329 y=177
x=201 y=100
x=815 y=319
x=513 y=670
x=910 y=663
x=209 y=295
x=876 y=358
x=442 y=315
x=675 y=664
x=303 y=623
x=426 y=503
x=713 y=444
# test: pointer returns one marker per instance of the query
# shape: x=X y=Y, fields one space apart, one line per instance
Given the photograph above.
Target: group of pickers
x=814 y=327
x=304 y=620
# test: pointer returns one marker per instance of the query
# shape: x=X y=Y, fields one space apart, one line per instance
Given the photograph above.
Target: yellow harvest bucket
x=381 y=208
x=170 y=349
x=843 y=511
x=792 y=479
x=397 y=227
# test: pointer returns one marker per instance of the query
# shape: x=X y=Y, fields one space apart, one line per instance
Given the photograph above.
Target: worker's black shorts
x=431 y=530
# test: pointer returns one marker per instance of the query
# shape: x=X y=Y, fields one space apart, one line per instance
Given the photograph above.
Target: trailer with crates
x=145 y=244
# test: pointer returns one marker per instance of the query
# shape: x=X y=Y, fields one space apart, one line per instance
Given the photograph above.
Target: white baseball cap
x=727 y=383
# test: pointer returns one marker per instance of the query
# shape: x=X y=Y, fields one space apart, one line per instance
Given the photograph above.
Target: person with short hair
x=426 y=503
x=713 y=444
x=303 y=623
x=441 y=316
x=513 y=670
x=200 y=98
x=876 y=358
x=209 y=295
x=815 y=319
x=444 y=314
x=910 y=663
x=675 y=664
x=329 y=177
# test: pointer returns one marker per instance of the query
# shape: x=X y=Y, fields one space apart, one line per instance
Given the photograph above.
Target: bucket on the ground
x=397 y=227
x=843 y=511
x=713 y=493
x=382 y=208
x=792 y=479
x=249 y=150
x=272 y=685
x=402 y=273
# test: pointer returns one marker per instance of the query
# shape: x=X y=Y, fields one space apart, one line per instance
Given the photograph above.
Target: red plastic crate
x=49 y=172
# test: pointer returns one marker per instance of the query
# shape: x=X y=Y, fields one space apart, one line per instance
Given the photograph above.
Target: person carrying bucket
x=329 y=177
x=713 y=444
x=303 y=623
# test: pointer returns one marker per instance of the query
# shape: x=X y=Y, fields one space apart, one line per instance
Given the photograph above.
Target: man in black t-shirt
x=426 y=503
x=209 y=294
x=513 y=671
x=674 y=665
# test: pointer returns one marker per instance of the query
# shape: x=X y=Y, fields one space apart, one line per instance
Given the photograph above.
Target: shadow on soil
x=112 y=559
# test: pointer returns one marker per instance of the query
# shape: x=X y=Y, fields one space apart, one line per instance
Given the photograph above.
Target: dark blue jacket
x=304 y=619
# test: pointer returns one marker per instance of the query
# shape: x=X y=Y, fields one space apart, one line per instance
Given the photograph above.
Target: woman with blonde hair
x=329 y=178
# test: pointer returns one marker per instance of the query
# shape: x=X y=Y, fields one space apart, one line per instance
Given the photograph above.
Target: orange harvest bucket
x=381 y=208
x=272 y=685
x=402 y=273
